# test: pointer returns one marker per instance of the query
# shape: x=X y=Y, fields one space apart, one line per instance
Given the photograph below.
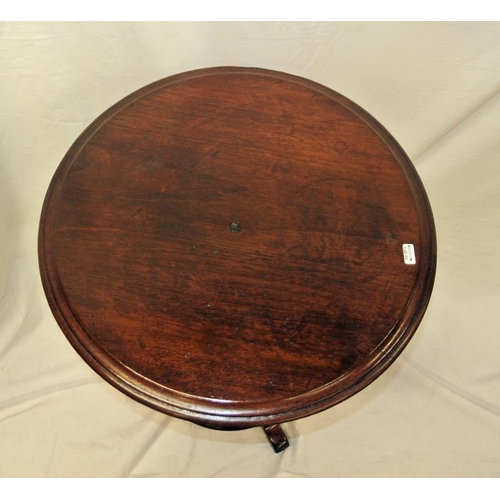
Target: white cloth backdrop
x=435 y=412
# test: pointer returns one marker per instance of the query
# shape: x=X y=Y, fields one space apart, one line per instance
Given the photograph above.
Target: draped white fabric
x=435 y=412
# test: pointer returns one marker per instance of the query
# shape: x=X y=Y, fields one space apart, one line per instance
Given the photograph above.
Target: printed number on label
x=409 y=254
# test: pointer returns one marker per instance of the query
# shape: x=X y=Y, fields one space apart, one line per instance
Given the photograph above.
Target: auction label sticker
x=409 y=254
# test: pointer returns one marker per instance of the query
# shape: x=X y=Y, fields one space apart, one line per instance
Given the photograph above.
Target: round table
x=237 y=247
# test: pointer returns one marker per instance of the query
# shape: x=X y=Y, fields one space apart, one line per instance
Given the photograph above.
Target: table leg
x=277 y=437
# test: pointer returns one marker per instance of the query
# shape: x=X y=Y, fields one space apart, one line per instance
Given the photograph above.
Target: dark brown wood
x=226 y=246
x=276 y=437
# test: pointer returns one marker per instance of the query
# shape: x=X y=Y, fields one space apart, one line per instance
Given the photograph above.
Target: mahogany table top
x=237 y=247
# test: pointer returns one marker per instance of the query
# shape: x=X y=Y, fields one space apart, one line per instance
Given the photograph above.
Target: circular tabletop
x=237 y=247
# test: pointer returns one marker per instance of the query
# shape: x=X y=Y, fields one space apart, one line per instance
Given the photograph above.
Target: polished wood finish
x=225 y=246
x=277 y=437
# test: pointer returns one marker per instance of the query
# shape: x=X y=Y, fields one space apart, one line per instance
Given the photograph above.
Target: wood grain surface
x=226 y=246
